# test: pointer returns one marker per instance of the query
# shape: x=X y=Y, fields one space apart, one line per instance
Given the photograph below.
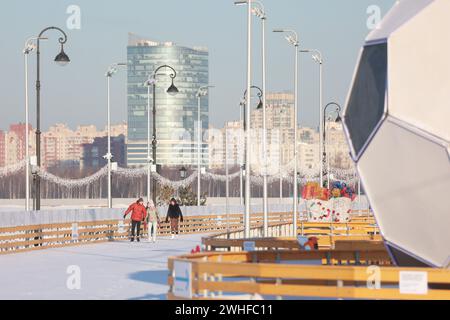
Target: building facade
x=62 y=146
x=93 y=153
x=176 y=115
x=2 y=148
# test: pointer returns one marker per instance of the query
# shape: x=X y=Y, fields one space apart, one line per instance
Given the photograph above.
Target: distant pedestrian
x=138 y=215
x=152 y=221
x=175 y=215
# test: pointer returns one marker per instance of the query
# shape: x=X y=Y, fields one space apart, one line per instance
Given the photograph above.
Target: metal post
x=295 y=141
x=149 y=158
x=265 y=196
x=241 y=175
x=109 y=155
x=154 y=142
x=321 y=116
x=327 y=147
x=247 y=116
x=281 y=159
x=173 y=89
x=27 y=142
x=359 y=196
x=37 y=179
x=198 y=150
x=62 y=40
x=227 y=185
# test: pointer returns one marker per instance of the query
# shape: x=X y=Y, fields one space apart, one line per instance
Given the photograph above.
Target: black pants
x=135 y=225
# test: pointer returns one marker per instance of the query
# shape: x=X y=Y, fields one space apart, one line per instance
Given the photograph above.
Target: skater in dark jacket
x=175 y=215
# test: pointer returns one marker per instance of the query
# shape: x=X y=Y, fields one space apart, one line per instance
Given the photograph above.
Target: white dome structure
x=397 y=122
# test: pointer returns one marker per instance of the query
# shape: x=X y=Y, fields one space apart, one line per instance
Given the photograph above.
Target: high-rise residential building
x=93 y=153
x=337 y=146
x=12 y=144
x=2 y=148
x=64 y=146
x=176 y=115
x=280 y=136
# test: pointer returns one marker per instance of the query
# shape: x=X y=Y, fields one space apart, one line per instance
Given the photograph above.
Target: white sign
x=413 y=282
x=75 y=234
x=114 y=166
x=249 y=246
x=182 y=275
x=121 y=227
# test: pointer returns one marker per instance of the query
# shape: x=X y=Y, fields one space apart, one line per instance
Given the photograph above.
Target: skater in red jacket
x=139 y=213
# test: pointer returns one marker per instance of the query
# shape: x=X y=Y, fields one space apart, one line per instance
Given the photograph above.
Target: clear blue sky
x=76 y=94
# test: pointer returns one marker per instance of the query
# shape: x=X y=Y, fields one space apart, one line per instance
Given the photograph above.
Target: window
x=366 y=104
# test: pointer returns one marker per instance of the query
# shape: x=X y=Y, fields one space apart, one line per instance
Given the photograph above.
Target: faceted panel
x=406 y=174
x=419 y=76
x=366 y=104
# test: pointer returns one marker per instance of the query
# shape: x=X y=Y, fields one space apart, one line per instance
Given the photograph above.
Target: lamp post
x=111 y=71
x=247 y=130
x=317 y=57
x=247 y=117
x=260 y=12
x=281 y=157
x=227 y=184
x=241 y=164
x=28 y=48
x=172 y=90
x=293 y=39
x=62 y=59
x=202 y=91
x=324 y=155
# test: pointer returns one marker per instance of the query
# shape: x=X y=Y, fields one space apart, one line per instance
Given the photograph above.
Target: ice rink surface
x=113 y=270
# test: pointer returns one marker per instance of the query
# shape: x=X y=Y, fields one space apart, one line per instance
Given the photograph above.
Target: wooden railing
x=327 y=233
x=263 y=274
x=42 y=236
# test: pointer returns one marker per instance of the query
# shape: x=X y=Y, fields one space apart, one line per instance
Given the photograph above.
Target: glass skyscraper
x=176 y=115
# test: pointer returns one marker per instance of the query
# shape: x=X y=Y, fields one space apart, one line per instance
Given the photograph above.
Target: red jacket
x=139 y=213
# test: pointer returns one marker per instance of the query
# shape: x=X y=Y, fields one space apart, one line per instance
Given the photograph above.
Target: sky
x=76 y=94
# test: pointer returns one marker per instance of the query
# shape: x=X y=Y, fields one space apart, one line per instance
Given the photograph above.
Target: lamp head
x=173 y=90
x=317 y=59
x=260 y=105
x=29 y=48
x=114 y=68
x=62 y=58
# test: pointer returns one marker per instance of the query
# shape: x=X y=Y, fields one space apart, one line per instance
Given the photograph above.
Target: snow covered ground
x=114 y=270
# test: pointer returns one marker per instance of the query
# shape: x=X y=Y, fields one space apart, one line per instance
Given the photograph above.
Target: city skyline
x=79 y=89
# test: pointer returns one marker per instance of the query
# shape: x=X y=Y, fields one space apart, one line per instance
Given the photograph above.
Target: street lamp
x=28 y=48
x=260 y=12
x=202 y=91
x=337 y=120
x=62 y=59
x=172 y=90
x=109 y=73
x=293 y=39
x=317 y=57
x=247 y=116
x=183 y=172
x=247 y=128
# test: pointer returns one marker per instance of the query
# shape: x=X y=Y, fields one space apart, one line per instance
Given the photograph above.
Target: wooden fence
x=340 y=274
x=36 y=237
